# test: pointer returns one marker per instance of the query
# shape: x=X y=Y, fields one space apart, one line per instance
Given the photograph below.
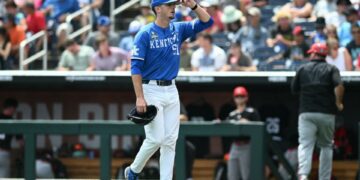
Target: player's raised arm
x=200 y=12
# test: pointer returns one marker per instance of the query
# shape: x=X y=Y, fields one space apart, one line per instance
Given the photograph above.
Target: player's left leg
x=244 y=156
x=326 y=126
x=171 y=127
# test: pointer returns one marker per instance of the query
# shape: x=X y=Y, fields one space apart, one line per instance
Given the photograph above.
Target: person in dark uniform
x=321 y=97
x=9 y=108
x=239 y=161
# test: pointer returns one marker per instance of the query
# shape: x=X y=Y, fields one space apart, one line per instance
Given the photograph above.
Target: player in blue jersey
x=154 y=66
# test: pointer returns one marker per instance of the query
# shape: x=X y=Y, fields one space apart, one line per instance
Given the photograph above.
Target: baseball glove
x=143 y=118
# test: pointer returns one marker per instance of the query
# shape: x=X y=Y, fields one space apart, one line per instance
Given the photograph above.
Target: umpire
x=321 y=95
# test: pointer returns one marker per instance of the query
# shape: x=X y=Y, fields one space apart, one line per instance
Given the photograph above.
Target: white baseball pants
x=239 y=162
x=163 y=131
x=316 y=128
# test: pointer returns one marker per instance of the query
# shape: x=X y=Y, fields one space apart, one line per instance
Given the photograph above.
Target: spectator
x=75 y=57
x=11 y=8
x=253 y=35
x=298 y=51
x=281 y=33
x=127 y=42
x=232 y=19
x=9 y=109
x=62 y=34
x=299 y=9
x=35 y=20
x=320 y=36
x=212 y=7
x=344 y=31
x=146 y=16
x=208 y=57
x=324 y=7
x=337 y=17
x=185 y=56
x=16 y=35
x=331 y=32
x=58 y=10
x=108 y=58
x=338 y=56
x=237 y=60
x=354 y=46
x=239 y=161
x=5 y=48
x=43 y=165
x=104 y=24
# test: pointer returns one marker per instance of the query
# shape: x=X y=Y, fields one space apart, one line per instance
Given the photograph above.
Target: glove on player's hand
x=143 y=118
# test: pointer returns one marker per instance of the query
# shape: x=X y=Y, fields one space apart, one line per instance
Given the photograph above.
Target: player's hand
x=141 y=105
x=188 y=3
x=340 y=106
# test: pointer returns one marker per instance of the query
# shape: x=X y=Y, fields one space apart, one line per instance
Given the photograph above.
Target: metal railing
x=43 y=53
x=118 y=10
x=84 y=29
x=30 y=128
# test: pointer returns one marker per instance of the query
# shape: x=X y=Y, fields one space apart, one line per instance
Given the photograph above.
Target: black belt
x=159 y=82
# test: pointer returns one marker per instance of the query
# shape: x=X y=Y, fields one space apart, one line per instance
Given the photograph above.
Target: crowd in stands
x=247 y=35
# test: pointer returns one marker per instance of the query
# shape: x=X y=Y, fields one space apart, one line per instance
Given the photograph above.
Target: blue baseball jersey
x=156 y=50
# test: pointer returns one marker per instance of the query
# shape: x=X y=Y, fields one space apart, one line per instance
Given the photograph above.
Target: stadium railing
x=120 y=9
x=30 y=128
x=43 y=53
x=84 y=29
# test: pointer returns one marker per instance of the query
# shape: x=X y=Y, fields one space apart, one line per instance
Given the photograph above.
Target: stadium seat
x=278 y=2
x=221 y=40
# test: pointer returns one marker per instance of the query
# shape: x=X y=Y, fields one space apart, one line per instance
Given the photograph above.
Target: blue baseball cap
x=103 y=21
x=155 y=3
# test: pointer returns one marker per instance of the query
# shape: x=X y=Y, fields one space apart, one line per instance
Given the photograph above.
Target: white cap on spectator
x=145 y=3
x=231 y=14
x=254 y=11
x=64 y=27
x=134 y=26
x=209 y=3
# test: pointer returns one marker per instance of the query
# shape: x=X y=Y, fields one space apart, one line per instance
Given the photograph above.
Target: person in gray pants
x=321 y=95
x=239 y=160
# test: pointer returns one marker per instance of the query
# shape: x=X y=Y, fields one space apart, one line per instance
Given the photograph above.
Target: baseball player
x=321 y=95
x=239 y=161
x=154 y=66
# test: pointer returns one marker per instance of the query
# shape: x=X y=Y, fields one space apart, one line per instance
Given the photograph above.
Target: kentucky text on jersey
x=156 y=50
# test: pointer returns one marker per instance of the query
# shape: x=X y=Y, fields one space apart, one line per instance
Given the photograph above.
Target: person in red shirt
x=35 y=20
x=16 y=34
x=212 y=7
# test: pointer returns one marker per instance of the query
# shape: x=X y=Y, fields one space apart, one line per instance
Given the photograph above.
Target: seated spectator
x=5 y=49
x=62 y=33
x=108 y=58
x=232 y=19
x=58 y=10
x=253 y=35
x=281 y=34
x=35 y=20
x=212 y=7
x=103 y=26
x=185 y=56
x=299 y=9
x=127 y=42
x=146 y=15
x=237 y=60
x=331 y=32
x=244 y=4
x=76 y=57
x=298 y=51
x=354 y=46
x=324 y=7
x=208 y=57
x=44 y=168
x=337 y=17
x=11 y=8
x=16 y=34
x=338 y=56
x=319 y=36
x=344 y=31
